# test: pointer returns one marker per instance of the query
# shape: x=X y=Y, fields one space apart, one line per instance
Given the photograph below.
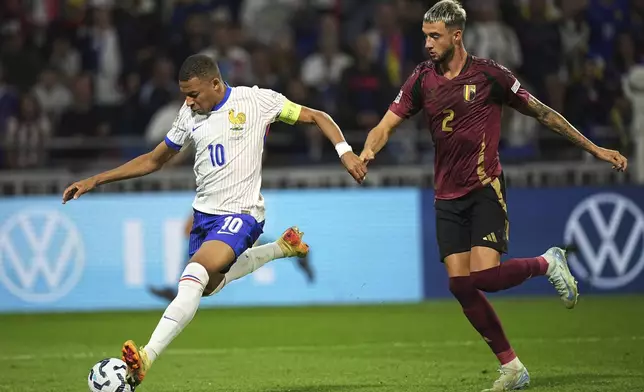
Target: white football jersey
x=229 y=143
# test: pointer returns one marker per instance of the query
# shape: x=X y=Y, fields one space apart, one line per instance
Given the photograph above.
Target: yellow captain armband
x=290 y=112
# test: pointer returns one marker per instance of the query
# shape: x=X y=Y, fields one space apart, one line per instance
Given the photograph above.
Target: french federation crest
x=237 y=121
x=469 y=92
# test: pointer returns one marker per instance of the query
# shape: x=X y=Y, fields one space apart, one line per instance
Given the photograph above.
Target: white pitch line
x=237 y=350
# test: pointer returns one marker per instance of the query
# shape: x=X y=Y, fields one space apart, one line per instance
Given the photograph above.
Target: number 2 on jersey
x=217 y=155
x=449 y=116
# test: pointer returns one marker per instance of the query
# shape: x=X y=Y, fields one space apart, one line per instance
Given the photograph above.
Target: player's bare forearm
x=376 y=139
x=379 y=136
x=139 y=166
x=323 y=121
x=557 y=123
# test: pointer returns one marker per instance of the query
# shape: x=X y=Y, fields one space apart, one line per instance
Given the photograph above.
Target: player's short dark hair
x=450 y=12
x=198 y=66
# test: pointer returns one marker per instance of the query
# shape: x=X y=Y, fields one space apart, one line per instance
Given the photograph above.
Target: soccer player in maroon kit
x=462 y=97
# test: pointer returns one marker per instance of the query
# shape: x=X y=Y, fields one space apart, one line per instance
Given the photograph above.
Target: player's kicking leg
x=559 y=275
x=209 y=267
x=288 y=245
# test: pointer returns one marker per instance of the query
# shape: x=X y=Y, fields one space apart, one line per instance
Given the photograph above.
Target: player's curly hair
x=198 y=66
x=450 y=12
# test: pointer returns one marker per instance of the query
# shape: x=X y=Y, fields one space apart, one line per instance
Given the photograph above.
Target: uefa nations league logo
x=608 y=230
x=41 y=255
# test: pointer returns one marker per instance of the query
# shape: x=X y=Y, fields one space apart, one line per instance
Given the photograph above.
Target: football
x=109 y=376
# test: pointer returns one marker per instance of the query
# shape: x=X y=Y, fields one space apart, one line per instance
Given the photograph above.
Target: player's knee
x=461 y=286
x=484 y=280
x=216 y=280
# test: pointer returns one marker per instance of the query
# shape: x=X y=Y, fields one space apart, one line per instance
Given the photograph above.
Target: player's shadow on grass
x=582 y=379
x=324 y=388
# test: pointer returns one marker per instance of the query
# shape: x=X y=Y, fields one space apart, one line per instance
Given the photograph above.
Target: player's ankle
x=514 y=364
x=150 y=353
x=506 y=356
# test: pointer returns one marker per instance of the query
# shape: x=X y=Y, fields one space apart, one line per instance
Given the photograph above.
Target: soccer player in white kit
x=227 y=126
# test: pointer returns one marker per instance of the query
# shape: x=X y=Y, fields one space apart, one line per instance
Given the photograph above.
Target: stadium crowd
x=88 y=79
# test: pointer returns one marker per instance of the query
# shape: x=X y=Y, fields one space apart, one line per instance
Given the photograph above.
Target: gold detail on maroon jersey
x=480 y=167
x=469 y=92
x=448 y=118
x=496 y=185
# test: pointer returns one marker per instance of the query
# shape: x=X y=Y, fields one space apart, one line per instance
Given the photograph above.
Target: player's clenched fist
x=355 y=166
x=75 y=190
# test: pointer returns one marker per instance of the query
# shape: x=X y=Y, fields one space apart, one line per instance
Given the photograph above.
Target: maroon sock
x=509 y=274
x=481 y=315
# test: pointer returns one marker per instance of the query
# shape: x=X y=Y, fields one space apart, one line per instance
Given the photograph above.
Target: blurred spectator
x=487 y=36
x=233 y=60
x=263 y=20
x=159 y=90
x=53 y=96
x=191 y=40
x=364 y=92
x=633 y=84
x=102 y=56
x=131 y=116
x=635 y=31
x=575 y=33
x=584 y=104
x=65 y=58
x=27 y=135
x=82 y=119
x=262 y=71
x=323 y=69
x=392 y=48
x=21 y=61
x=8 y=101
x=285 y=59
x=542 y=52
x=606 y=20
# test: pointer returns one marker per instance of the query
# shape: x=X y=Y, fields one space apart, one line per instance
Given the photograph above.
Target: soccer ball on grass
x=108 y=375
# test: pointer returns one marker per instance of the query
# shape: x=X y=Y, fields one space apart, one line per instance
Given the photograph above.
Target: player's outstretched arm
x=379 y=136
x=137 y=167
x=556 y=122
x=354 y=165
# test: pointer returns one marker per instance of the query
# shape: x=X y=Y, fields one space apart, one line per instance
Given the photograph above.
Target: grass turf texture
x=599 y=346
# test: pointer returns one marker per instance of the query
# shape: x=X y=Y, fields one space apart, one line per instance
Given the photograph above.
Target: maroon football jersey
x=464 y=117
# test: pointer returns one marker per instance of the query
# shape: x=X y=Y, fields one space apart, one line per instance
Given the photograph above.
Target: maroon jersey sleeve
x=514 y=95
x=409 y=100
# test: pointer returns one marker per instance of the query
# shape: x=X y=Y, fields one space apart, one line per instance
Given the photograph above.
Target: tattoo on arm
x=557 y=123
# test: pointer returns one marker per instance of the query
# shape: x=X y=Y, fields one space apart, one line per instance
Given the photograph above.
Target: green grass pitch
x=599 y=346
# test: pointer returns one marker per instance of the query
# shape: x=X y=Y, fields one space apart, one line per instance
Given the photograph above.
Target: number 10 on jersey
x=217 y=155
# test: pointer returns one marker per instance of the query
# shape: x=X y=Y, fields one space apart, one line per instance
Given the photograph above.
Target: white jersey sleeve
x=180 y=130
x=275 y=106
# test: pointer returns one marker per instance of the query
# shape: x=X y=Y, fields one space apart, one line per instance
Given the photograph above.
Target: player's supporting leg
x=200 y=277
x=483 y=318
x=476 y=307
